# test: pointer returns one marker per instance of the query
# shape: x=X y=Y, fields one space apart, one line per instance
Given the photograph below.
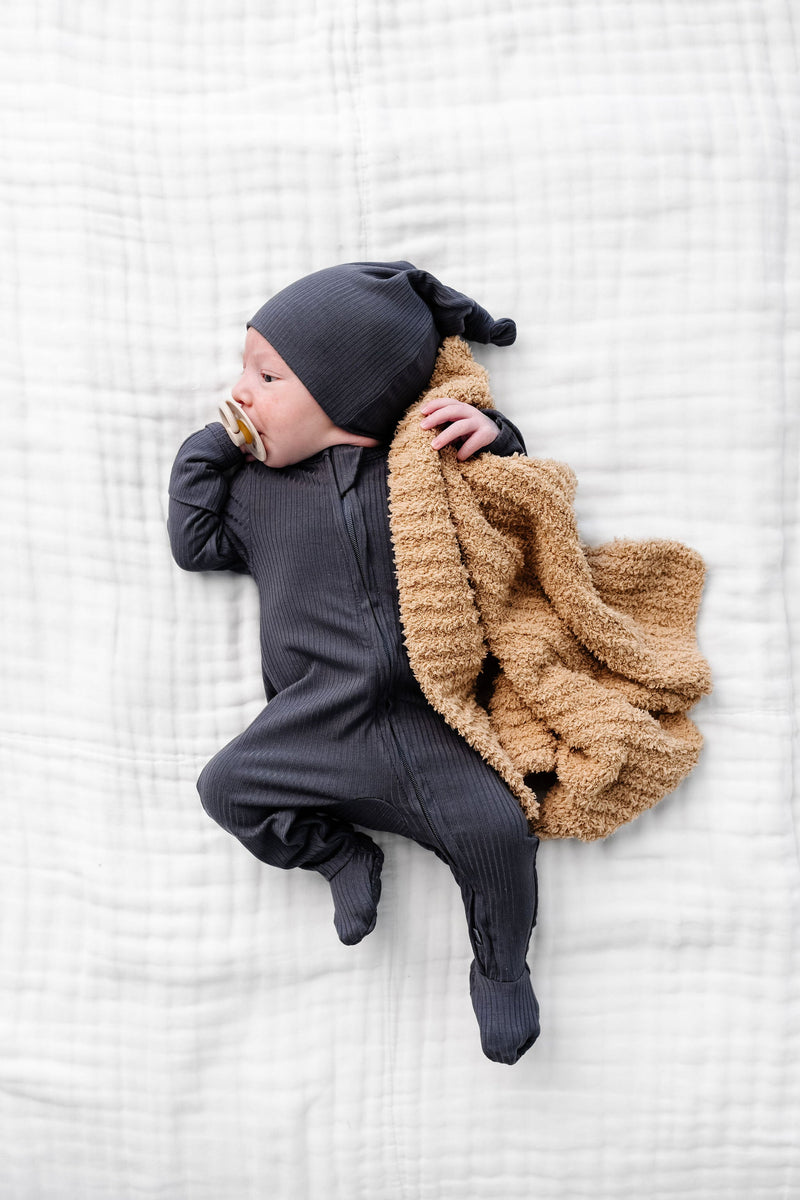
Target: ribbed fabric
x=508 y=1014
x=348 y=736
x=356 y=890
x=363 y=337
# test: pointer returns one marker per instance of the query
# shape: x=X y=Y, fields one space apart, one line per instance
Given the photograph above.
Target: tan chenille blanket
x=595 y=648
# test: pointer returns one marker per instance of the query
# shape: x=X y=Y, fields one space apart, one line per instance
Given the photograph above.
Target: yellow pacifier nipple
x=248 y=437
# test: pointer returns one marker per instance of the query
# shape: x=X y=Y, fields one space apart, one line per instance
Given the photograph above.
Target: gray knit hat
x=363 y=337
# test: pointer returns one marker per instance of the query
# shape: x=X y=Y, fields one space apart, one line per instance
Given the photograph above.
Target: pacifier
x=240 y=429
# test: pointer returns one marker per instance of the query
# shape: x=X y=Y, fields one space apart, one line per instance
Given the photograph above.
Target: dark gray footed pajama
x=348 y=736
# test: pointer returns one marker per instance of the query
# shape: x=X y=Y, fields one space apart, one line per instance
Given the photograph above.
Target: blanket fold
x=594 y=648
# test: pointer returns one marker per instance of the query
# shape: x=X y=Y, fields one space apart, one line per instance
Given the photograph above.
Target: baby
x=330 y=365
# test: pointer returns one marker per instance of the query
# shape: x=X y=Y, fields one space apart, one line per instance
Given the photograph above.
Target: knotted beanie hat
x=363 y=337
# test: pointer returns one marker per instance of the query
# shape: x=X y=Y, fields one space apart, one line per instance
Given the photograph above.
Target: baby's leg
x=278 y=795
x=492 y=855
x=356 y=890
x=494 y=864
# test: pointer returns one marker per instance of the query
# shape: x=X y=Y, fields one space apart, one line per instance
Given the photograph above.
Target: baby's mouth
x=252 y=436
x=260 y=445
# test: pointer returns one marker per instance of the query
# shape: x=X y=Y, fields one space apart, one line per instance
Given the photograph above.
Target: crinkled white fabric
x=179 y=1021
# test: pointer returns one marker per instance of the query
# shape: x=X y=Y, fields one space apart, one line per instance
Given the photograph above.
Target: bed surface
x=178 y=1021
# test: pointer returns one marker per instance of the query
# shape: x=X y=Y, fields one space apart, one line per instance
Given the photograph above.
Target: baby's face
x=291 y=423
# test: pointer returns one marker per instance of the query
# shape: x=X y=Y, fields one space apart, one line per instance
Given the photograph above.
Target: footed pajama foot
x=508 y=1014
x=356 y=889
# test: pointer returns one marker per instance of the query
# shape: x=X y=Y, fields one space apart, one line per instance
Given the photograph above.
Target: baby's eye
x=267 y=378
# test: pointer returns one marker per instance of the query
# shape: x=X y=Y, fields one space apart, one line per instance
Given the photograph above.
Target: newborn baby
x=347 y=738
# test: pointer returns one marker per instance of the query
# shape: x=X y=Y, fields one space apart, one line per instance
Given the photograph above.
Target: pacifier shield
x=240 y=429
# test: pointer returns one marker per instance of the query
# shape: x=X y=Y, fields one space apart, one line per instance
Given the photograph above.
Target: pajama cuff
x=509 y=439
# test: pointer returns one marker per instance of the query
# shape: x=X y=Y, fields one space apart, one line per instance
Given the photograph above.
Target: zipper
x=347 y=510
x=420 y=801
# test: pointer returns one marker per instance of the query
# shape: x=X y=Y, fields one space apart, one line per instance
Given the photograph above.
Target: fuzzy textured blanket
x=546 y=654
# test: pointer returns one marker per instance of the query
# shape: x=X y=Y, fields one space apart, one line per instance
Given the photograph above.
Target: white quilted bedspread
x=179 y=1022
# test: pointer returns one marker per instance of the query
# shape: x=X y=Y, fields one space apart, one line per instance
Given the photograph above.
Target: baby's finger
x=455 y=430
x=476 y=442
x=450 y=412
x=439 y=403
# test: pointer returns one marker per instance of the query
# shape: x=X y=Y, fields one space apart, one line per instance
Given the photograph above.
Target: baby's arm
x=203 y=536
x=481 y=429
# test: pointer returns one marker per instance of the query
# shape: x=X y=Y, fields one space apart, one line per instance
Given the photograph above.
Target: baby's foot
x=356 y=889
x=508 y=1014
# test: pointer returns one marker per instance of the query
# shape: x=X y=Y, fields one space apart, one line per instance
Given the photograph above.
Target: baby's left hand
x=468 y=422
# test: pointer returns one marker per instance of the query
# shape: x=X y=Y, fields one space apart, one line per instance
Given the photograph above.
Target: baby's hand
x=468 y=422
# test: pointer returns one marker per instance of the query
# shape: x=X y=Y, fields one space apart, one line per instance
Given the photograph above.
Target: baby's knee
x=215 y=787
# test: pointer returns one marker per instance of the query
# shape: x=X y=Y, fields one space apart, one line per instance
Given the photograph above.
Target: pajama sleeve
x=207 y=527
x=509 y=439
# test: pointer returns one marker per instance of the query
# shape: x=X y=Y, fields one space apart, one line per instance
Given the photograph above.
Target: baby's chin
x=290 y=456
x=277 y=453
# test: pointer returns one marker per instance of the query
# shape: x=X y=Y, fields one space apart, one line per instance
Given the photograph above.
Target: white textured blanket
x=179 y=1022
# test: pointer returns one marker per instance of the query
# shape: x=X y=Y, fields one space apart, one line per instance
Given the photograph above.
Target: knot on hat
x=453 y=312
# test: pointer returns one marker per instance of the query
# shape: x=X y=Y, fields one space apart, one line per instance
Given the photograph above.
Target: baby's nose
x=240 y=393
